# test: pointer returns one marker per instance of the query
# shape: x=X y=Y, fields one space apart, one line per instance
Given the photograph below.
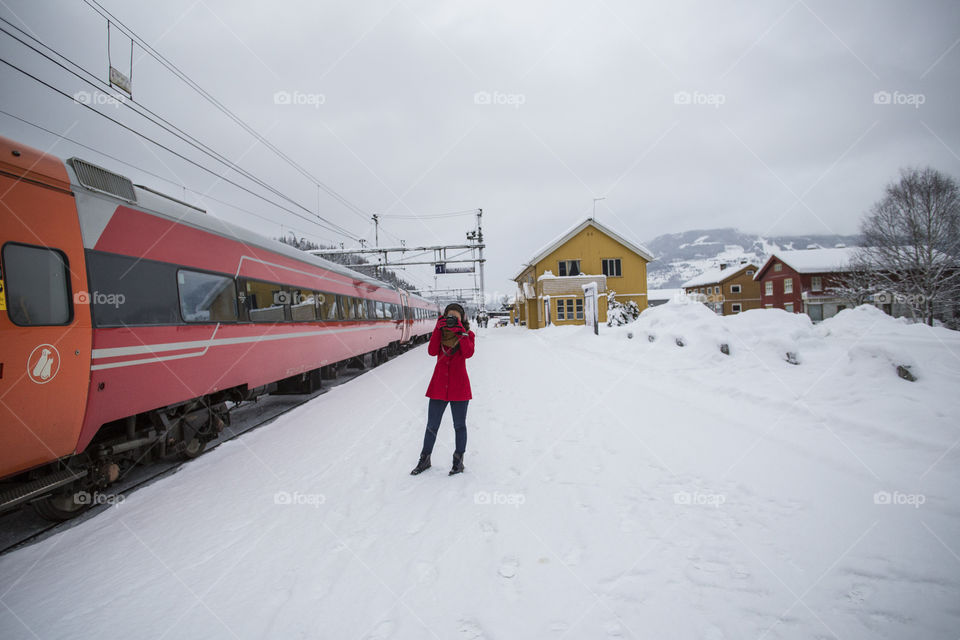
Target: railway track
x=23 y=527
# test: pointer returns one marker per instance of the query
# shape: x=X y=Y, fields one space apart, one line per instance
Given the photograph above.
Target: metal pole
x=483 y=302
x=376 y=230
x=595 y=206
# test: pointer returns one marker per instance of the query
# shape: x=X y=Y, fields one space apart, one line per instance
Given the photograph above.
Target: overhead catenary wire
x=201 y=196
x=170 y=66
x=429 y=216
x=165 y=125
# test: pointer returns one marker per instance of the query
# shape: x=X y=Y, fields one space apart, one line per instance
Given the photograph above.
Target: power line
x=430 y=216
x=202 y=196
x=169 y=127
x=170 y=66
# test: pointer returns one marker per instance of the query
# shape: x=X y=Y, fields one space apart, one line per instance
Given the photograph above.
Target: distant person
x=452 y=343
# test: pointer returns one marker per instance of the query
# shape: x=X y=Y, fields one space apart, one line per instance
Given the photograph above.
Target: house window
x=816 y=283
x=749 y=272
x=778 y=267
x=788 y=307
x=788 y=285
x=768 y=306
x=611 y=267
x=735 y=308
x=569 y=268
x=560 y=314
x=579 y=308
x=734 y=288
x=815 y=311
x=570 y=309
x=768 y=288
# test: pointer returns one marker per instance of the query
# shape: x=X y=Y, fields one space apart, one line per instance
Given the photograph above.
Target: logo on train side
x=43 y=363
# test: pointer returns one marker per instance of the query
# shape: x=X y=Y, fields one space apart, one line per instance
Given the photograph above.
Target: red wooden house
x=802 y=281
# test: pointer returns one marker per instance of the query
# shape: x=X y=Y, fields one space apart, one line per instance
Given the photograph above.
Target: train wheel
x=62 y=506
x=194 y=448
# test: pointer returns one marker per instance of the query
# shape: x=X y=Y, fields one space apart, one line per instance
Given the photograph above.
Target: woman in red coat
x=452 y=343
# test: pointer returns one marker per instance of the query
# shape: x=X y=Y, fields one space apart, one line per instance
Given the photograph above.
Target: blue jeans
x=435 y=413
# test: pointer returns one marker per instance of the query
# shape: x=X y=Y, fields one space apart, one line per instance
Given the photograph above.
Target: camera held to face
x=452 y=321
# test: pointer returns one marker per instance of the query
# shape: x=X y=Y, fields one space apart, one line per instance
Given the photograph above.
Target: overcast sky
x=773 y=116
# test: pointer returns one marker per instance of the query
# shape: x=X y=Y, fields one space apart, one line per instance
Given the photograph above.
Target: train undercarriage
x=64 y=489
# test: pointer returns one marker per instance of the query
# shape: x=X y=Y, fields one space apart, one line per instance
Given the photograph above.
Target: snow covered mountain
x=681 y=256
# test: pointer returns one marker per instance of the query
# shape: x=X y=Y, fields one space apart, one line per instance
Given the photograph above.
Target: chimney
x=723 y=266
x=812 y=246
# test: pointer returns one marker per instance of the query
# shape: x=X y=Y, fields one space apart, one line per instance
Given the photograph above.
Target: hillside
x=681 y=256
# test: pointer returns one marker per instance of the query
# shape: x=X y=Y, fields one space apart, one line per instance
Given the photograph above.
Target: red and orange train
x=130 y=321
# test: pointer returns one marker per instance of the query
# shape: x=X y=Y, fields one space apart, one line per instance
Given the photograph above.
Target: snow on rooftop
x=817 y=260
x=716 y=275
x=663 y=294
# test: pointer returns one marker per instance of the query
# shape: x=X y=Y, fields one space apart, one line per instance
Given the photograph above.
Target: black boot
x=457 y=463
x=422 y=466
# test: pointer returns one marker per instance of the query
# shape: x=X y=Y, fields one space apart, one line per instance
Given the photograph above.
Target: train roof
x=105 y=185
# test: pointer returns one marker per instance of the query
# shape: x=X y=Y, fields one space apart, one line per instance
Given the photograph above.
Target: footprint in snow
x=382 y=631
x=508 y=568
x=488 y=528
x=471 y=630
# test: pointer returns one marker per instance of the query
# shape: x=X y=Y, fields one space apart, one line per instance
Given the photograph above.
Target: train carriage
x=131 y=320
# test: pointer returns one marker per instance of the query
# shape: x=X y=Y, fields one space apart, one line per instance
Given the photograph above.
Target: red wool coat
x=450 y=381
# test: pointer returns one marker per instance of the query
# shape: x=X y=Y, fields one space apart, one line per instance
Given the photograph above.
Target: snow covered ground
x=615 y=487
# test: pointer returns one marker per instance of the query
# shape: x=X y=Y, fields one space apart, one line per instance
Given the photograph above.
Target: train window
x=361 y=308
x=37 y=283
x=265 y=301
x=207 y=297
x=387 y=310
x=381 y=314
x=346 y=307
x=371 y=309
x=303 y=305
x=395 y=311
x=128 y=291
x=328 y=306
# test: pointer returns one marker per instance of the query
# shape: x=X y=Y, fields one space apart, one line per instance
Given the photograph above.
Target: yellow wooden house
x=550 y=285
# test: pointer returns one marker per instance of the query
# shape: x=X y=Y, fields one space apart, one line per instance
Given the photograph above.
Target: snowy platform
x=615 y=487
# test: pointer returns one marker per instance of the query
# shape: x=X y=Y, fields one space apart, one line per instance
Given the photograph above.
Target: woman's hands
x=453 y=324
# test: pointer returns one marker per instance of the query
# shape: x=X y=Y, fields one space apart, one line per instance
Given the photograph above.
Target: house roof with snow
x=717 y=275
x=812 y=260
x=550 y=247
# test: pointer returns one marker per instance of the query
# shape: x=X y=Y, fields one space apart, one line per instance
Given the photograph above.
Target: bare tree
x=859 y=280
x=911 y=240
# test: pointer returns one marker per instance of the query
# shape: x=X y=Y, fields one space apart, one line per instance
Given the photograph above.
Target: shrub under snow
x=620 y=313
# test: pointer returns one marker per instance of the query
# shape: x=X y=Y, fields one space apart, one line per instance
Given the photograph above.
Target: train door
x=407 y=320
x=45 y=331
